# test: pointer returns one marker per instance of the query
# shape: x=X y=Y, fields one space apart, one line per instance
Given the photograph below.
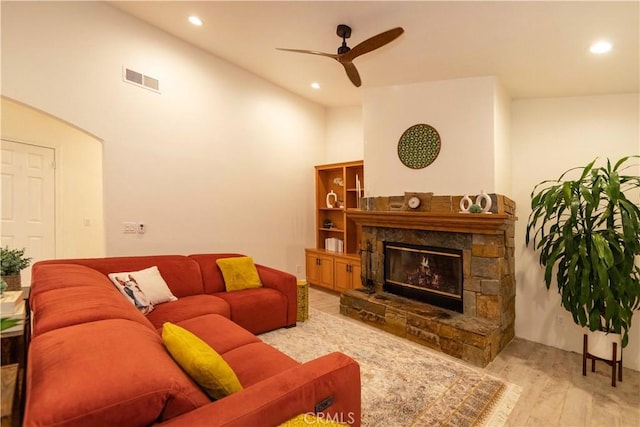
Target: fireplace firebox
x=424 y=273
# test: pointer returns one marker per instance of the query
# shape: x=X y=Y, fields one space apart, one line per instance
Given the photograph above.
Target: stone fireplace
x=474 y=324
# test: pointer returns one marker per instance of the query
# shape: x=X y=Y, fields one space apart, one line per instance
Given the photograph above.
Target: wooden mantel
x=448 y=222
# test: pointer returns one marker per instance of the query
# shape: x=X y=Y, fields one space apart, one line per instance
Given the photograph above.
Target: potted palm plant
x=588 y=232
x=13 y=262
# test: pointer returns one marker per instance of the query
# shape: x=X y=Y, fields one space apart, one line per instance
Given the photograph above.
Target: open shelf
x=336 y=184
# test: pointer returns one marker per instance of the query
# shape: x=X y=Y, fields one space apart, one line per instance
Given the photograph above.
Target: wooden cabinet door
x=347 y=274
x=343 y=275
x=314 y=270
x=326 y=266
x=320 y=270
x=356 y=280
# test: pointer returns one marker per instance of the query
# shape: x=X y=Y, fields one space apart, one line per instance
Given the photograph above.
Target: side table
x=9 y=406
x=303 y=300
x=12 y=339
x=14 y=343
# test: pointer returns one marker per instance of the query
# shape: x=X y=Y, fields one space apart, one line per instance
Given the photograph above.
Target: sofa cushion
x=257 y=310
x=239 y=273
x=219 y=332
x=45 y=277
x=181 y=273
x=106 y=373
x=200 y=361
x=257 y=361
x=150 y=282
x=62 y=307
x=188 y=307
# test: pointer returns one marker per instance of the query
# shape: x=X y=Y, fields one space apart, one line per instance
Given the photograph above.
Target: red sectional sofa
x=94 y=359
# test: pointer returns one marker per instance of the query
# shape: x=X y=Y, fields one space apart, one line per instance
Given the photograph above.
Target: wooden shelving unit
x=331 y=269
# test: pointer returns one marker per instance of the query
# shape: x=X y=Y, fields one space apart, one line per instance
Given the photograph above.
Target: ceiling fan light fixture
x=600 y=47
x=195 y=21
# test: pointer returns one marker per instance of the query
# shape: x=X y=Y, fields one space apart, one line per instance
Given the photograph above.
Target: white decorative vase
x=330 y=194
x=487 y=201
x=465 y=204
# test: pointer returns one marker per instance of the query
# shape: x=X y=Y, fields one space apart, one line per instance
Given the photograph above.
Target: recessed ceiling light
x=195 y=20
x=600 y=47
x=315 y=85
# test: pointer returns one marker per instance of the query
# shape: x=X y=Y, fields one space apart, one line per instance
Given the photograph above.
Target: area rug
x=403 y=384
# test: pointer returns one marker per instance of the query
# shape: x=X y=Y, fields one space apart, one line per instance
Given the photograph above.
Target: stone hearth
x=486 y=325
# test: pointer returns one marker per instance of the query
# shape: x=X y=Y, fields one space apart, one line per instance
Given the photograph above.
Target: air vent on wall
x=139 y=79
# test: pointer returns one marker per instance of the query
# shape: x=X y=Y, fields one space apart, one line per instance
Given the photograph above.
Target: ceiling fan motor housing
x=343 y=31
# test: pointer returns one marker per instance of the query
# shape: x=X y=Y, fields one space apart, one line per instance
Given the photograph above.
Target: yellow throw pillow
x=239 y=273
x=203 y=364
x=304 y=420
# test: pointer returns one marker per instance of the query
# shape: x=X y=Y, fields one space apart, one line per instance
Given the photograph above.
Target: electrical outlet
x=142 y=228
x=298 y=269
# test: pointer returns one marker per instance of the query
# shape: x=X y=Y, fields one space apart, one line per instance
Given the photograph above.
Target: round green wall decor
x=419 y=146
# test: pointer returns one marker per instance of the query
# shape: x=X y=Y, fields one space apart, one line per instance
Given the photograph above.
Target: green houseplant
x=589 y=232
x=12 y=263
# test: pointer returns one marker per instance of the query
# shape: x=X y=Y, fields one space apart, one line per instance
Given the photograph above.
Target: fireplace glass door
x=424 y=273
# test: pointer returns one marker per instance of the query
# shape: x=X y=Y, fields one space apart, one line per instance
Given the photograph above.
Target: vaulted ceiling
x=534 y=48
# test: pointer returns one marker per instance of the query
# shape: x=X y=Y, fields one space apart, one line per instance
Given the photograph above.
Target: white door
x=28 y=197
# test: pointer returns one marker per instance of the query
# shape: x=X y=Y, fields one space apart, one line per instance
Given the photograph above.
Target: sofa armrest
x=285 y=283
x=285 y=395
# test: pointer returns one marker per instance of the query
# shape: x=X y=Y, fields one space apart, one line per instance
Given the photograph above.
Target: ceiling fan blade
x=373 y=43
x=352 y=73
x=311 y=52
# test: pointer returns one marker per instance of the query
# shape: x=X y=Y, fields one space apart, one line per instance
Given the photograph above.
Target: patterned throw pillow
x=149 y=281
x=239 y=273
x=128 y=287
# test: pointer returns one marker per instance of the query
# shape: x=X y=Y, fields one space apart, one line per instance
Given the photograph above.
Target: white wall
x=79 y=212
x=462 y=111
x=502 y=143
x=344 y=138
x=219 y=161
x=550 y=136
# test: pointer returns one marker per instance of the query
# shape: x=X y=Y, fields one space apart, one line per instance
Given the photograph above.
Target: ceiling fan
x=346 y=55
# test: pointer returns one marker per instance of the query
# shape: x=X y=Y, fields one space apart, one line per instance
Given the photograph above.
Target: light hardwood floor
x=554 y=392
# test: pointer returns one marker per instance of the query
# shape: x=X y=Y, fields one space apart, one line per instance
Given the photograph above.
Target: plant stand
x=616 y=365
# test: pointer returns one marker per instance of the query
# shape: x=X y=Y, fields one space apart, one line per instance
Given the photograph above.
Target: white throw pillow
x=150 y=282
